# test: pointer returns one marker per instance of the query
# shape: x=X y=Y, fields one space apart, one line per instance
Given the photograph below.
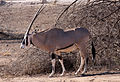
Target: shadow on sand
x=104 y=73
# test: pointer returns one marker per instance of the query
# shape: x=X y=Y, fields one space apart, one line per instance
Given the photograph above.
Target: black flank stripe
x=65 y=47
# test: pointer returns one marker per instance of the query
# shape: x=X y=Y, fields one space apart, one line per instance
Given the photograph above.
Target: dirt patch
x=98 y=77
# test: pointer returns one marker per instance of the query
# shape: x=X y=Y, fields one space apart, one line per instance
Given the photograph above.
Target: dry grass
x=34 y=61
x=102 y=18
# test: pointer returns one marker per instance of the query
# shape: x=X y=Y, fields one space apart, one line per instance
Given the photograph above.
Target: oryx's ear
x=35 y=31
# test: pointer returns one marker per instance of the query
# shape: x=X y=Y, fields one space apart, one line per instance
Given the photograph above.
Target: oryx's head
x=26 y=40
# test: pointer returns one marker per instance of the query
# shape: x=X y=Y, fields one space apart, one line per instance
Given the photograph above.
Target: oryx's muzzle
x=22 y=46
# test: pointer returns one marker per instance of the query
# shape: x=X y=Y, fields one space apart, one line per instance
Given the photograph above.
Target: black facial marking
x=23 y=42
x=26 y=41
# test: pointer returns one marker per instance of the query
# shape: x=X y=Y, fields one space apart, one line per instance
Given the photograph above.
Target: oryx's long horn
x=35 y=16
x=64 y=11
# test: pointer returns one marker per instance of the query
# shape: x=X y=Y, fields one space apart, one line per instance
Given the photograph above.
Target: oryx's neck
x=38 y=40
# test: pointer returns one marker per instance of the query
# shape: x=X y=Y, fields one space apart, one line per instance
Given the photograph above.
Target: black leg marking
x=53 y=56
x=60 y=57
x=87 y=60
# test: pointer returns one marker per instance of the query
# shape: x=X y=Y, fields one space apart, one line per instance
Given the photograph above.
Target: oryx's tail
x=93 y=52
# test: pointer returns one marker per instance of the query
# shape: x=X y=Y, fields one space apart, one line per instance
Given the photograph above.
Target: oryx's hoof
x=81 y=75
x=62 y=74
x=76 y=73
x=51 y=75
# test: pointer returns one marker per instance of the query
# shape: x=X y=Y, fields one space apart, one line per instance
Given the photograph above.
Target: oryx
x=57 y=40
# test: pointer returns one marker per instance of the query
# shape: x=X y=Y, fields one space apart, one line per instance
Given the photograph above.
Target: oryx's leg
x=53 y=56
x=83 y=65
x=63 y=67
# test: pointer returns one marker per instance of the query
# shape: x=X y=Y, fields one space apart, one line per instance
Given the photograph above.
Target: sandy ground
x=44 y=78
x=15 y=19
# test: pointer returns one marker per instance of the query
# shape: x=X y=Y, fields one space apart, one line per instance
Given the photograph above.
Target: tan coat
x=57 y=38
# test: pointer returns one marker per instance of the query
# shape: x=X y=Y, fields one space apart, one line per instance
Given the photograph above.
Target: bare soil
x=14 y=19
x=94 y=77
